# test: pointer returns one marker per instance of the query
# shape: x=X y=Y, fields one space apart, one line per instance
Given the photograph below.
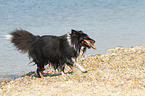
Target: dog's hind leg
x=39 y=72
x=40 y=68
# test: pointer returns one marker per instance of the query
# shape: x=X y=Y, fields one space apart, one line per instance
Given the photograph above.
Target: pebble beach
x=121 y=72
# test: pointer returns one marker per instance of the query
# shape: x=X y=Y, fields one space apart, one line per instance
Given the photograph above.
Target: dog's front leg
x=72 y=65
x=80 y=67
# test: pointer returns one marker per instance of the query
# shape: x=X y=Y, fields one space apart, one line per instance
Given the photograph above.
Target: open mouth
x=90 y=43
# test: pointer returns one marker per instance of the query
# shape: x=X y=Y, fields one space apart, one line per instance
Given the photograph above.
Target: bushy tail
x=22 y=39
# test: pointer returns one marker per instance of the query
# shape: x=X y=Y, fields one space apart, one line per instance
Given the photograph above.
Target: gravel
x=121 y=72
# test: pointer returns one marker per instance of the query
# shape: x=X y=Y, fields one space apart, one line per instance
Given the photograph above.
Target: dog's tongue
x=93 y=46
x=90 y=44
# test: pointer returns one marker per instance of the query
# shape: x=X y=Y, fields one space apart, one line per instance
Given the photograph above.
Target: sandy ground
x=120 y=73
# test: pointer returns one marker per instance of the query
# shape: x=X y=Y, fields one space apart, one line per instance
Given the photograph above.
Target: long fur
x=48 y=49
x=22 y=40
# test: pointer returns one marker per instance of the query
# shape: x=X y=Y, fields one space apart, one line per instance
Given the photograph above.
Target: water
x=111 y=23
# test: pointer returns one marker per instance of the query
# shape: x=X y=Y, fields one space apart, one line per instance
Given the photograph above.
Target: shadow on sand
x=33 y=74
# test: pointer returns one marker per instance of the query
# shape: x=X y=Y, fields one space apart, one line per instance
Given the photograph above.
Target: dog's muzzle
x=90 y=43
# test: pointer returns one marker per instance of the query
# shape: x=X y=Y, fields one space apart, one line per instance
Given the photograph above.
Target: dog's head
x=83 y=39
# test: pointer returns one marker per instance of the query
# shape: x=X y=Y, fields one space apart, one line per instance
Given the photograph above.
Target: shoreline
x=120 y=72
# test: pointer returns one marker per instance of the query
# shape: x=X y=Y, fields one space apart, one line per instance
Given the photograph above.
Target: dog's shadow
x=55 y=74
x=33 y=74
x=52 y=72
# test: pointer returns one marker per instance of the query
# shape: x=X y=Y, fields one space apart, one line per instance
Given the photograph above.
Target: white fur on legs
x=80 y=67
x=62 y=73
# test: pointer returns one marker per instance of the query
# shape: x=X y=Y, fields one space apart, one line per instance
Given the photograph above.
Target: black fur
x=57 y=50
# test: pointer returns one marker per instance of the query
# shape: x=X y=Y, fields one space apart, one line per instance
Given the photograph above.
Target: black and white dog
x=54 y=50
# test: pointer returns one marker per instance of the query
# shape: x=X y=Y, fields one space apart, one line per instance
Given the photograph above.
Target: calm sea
x=111 y=23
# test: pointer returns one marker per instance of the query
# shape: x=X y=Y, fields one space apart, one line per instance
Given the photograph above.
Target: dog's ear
x=74 y=33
